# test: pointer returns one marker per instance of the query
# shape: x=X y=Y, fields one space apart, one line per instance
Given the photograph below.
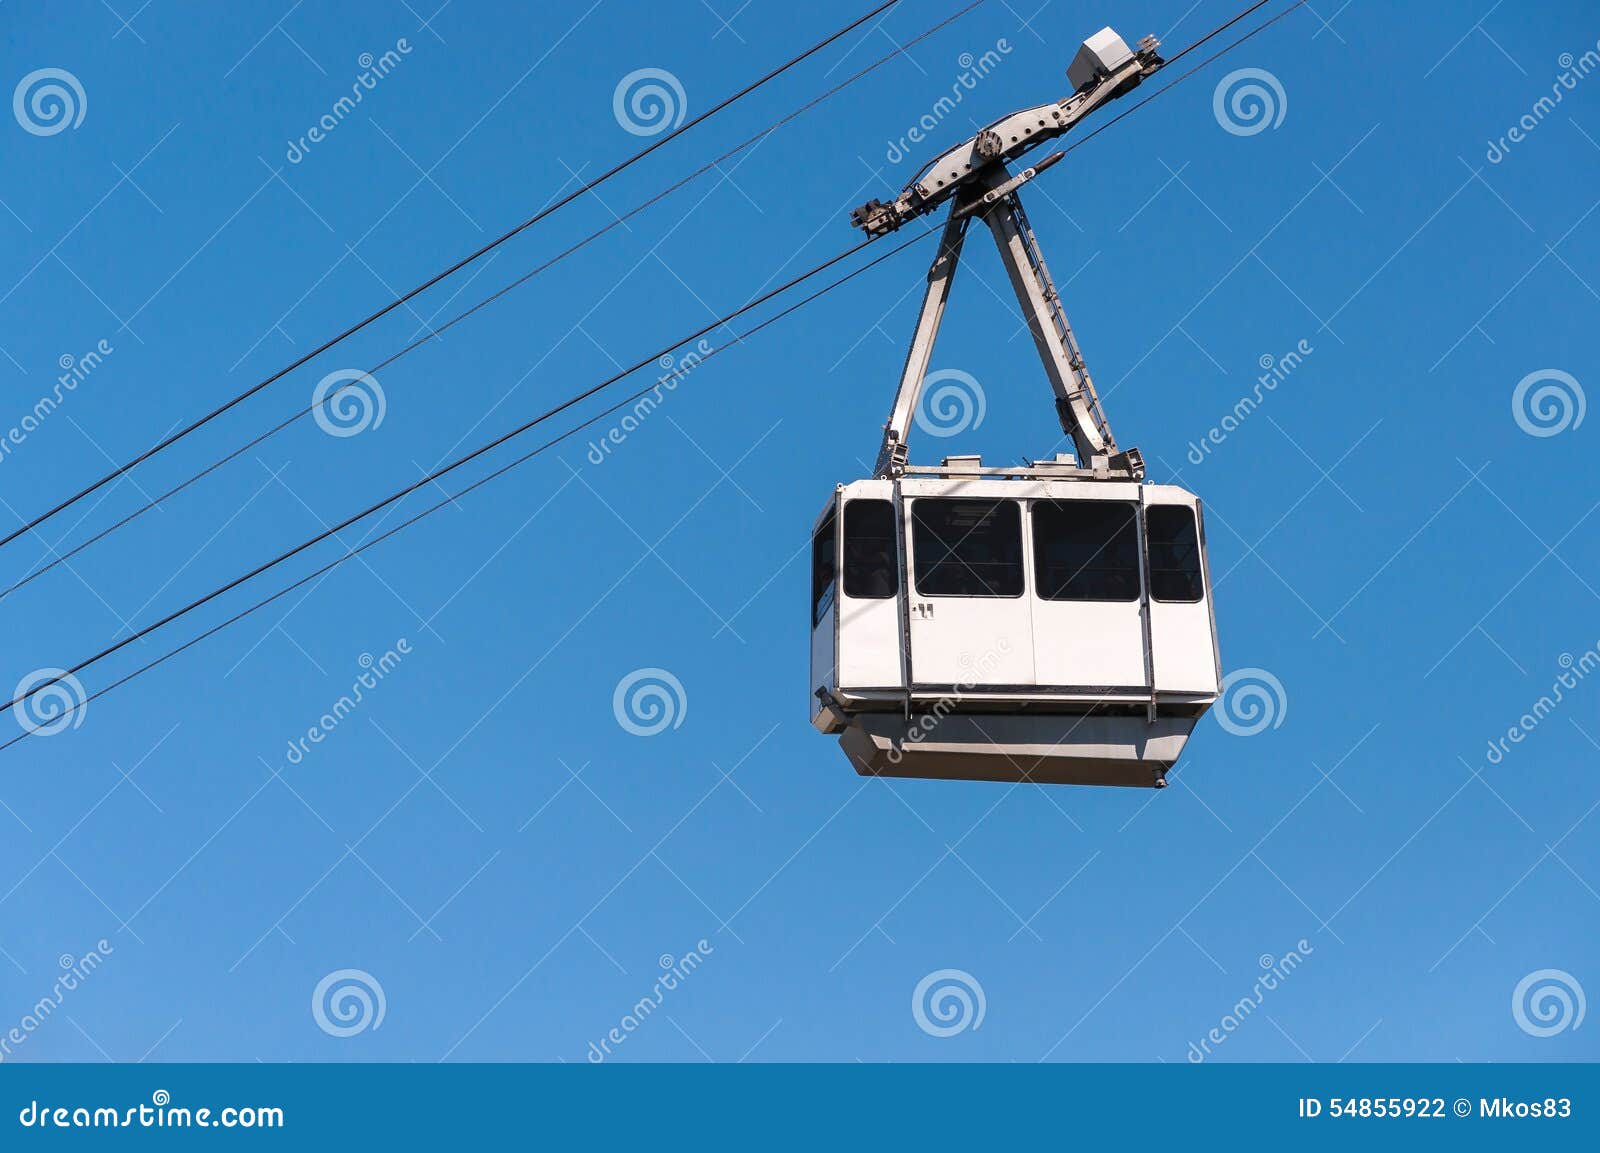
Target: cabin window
x=1085 y=550
x=822 y=570
x=967 y=548
x=1174 y=554
x=870 y=568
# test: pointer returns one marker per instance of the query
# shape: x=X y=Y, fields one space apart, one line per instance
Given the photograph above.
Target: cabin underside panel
x=1090 y=749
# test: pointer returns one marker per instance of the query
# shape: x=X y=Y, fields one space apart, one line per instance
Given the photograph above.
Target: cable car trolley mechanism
x=1049 y=622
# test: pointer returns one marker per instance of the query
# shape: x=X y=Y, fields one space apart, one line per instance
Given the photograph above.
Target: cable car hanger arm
x=1104 y=69
x=978 y=184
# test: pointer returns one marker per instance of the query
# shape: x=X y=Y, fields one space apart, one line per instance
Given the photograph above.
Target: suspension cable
x=60 y=558
x=588 y=186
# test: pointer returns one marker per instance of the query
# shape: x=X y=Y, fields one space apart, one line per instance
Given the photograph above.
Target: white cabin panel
x=1089 y=645
x=869 y=643
x=971 y=642
x=1183 y=640
x=971 y=619
x=869 y=589
x=1185 y=660
x=1088 y=623
x=823 y=664
x=824 y=602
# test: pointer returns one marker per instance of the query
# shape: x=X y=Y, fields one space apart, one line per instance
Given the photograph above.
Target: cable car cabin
x=1011 y=626
x=1052 y=623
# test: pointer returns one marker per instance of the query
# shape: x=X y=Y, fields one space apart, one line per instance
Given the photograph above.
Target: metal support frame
x=901 y=549
x=994 y=199
x=1145 y=598
x=893 y=454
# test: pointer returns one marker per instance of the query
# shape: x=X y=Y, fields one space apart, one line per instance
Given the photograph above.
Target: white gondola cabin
x=1048 y=623
x=1011 y=627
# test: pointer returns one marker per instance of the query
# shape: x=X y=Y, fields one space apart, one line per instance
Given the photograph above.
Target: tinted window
x=967 y=548
x=1174 y=554
x=870 y=568
x=1086 y=550
x=822 y=569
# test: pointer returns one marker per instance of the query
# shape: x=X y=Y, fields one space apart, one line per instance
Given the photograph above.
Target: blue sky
x=487 y=843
